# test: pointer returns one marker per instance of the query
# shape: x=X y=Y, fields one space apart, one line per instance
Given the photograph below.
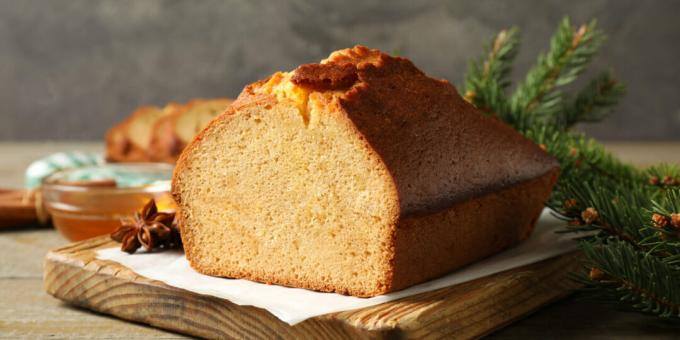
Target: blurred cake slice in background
x=171 y=133
x=152 y=134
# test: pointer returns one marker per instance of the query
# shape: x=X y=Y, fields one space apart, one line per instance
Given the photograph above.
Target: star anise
x=149 y=228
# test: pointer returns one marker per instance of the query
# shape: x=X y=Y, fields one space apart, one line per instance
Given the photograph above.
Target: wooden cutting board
x=17 y=208
x=468 y=310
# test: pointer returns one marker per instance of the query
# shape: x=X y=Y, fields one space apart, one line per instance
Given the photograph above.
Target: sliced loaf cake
x=129 y=140
x=152 y=134
x=171 y=133
x=358 y=175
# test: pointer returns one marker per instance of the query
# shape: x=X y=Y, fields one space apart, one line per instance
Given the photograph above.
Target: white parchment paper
x=293 y=305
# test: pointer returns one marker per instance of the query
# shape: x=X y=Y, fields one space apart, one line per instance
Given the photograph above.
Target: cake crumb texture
x=359 y=175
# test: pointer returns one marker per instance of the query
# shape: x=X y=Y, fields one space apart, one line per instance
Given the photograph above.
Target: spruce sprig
x=634 y=256
x=487 y=79
x=591 y=103
x=571 y=49
x=663 y=226
x=637 y=279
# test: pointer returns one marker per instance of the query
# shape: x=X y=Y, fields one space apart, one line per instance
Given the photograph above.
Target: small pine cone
x=654 y=180
x=597 y=274
x=669 y=181
x=590 y=215
x=660 y=221
x=675 y=220
x=570 y=203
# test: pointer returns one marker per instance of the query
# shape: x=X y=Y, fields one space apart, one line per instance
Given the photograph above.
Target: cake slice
x=129 y=141
x=171 y=133
x=358 y=175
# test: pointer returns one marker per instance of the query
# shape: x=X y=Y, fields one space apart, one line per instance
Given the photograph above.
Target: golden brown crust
x=324 y=77
x=166 y=144
x=467 y=185
x=430 y=246
x=359 y=56
x=119 y=146
x=439 y=148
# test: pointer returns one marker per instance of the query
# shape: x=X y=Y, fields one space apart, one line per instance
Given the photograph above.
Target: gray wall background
x=69 y=69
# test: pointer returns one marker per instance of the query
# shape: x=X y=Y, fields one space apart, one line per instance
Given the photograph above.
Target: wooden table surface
x=26 y=311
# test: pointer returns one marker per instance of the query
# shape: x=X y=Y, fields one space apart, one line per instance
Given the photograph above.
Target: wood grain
x=17 y=208
x=469 y=310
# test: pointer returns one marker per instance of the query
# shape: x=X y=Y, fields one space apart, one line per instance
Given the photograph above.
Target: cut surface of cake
x=152 y=134
x=129 y=140
x=359 y=175
x=171 y=133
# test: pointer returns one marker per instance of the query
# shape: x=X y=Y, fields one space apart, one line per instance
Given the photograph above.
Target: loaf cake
x=171 y=133
x=152 y=134
x=359 y=175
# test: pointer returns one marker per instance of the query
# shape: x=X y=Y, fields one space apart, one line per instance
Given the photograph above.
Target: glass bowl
x=84 y=208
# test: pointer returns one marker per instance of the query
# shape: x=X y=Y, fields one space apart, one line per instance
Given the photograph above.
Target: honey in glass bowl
x=85 y=208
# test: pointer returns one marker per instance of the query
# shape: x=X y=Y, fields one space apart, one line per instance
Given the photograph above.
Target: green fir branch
x=633 y=257
x=571 y=49
x=591 y=103
x=641 y=281
x=487 y=78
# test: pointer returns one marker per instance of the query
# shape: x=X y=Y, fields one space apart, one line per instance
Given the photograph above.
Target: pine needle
x=631 y=216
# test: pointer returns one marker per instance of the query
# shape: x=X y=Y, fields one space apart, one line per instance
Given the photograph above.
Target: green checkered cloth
x=87 y=166
x=58 y=161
